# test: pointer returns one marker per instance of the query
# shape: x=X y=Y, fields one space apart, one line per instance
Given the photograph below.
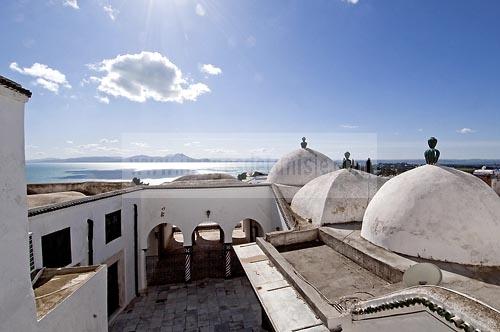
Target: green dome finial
x=303 y=144
x=432 y=155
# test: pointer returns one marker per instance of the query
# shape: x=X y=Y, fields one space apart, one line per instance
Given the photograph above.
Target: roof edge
x=14 y=86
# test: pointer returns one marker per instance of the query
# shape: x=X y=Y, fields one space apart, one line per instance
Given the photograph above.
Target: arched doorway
x=208 y=251
x=246 y=231
x=165 y=257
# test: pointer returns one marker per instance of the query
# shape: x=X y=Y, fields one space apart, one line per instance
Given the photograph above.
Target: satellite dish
x=422 y=274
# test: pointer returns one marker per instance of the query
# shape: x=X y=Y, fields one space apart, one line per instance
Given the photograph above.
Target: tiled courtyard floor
x=205 y=305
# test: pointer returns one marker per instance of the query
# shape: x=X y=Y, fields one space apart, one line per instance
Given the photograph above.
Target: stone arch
x=164 y=255
x=207 y=234
x=169 y=235
x=207 y=251
x=246 y=231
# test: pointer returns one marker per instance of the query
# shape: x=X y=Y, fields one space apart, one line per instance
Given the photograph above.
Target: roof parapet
x=14 y=86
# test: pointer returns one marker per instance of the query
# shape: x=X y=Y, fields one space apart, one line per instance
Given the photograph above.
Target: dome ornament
x=347 y=162
x=303 y=144
x=432 y=155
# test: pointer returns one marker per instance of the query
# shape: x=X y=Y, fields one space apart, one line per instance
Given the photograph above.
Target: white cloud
x=73 y=151
x=163 y=150
x=251 y=41
x=69 y=142
x=465 y=131
x=102 y=99
x=112 y=12
x=258 y=77
x=200 y=11
x=28 y=43
x=140 y=144
x=71 y=3
x=46 y=77
x=146 y=75
x=348 y=126
x=261 y=150
x=92 y=148
x=210 y=69
x=352 y=2
x=420 y=130
x=219 y=151
x=88 y=146
x=191 y=143
x=108 y=141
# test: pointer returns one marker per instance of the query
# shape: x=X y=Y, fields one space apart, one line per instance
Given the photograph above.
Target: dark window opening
x=113 y=226
x=32 y=256
x=56 y=248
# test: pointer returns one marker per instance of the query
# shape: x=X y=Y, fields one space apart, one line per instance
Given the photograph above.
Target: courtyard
x=203 y=305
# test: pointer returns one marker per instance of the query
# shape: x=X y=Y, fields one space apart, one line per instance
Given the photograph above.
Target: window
x=56 y=248
x=32 y=256
x=113 y=225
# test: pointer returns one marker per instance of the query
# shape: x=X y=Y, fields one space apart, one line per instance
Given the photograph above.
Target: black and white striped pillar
x=188 y=250
x=227 y=260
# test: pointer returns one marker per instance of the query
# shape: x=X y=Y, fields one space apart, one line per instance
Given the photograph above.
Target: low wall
x=376 y=260
x=84 y=310
x=87 y=188
x=284 y=238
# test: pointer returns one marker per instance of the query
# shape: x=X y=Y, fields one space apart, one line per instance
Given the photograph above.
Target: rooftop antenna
x=303 y=144
x=432 y=155
x=422 y=274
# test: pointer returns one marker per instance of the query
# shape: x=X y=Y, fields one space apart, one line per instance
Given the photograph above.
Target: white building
x=70 y=298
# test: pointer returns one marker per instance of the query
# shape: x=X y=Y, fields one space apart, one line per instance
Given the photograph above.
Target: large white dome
x=438 y=213
x=300 y=166
x=337 y=197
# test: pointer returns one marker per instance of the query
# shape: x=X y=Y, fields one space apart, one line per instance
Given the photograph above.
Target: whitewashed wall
x=186 y=208
x=84 y=311
x=76 y=217
x=17 y=304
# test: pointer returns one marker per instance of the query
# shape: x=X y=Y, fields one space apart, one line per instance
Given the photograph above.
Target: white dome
x=438 y=213
x=337 y=197
x=300 y=166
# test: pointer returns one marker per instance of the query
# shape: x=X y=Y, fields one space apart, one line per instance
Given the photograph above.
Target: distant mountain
x=171 y=158
x=78 y=160
x=177 y=158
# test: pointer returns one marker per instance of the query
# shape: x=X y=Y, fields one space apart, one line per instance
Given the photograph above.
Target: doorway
x=113 y=289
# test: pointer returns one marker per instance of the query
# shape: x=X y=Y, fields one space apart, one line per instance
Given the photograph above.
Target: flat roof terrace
x=337 y=277
x=340 y=275
x=53 y=286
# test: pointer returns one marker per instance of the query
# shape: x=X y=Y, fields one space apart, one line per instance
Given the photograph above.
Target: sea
x=148 y=172
x=159 y=172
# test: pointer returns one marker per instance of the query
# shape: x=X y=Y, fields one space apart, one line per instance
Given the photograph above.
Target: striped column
x=227 y=260
x=188 y=250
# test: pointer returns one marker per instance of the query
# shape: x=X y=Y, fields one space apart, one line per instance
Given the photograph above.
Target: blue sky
x=153 y=76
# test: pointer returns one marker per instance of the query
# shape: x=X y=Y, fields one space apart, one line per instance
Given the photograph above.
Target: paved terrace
x=205 y=305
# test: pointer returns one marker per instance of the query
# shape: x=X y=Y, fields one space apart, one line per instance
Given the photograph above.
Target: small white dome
x=299 y=167
x=438 y=213
x=337 y=197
